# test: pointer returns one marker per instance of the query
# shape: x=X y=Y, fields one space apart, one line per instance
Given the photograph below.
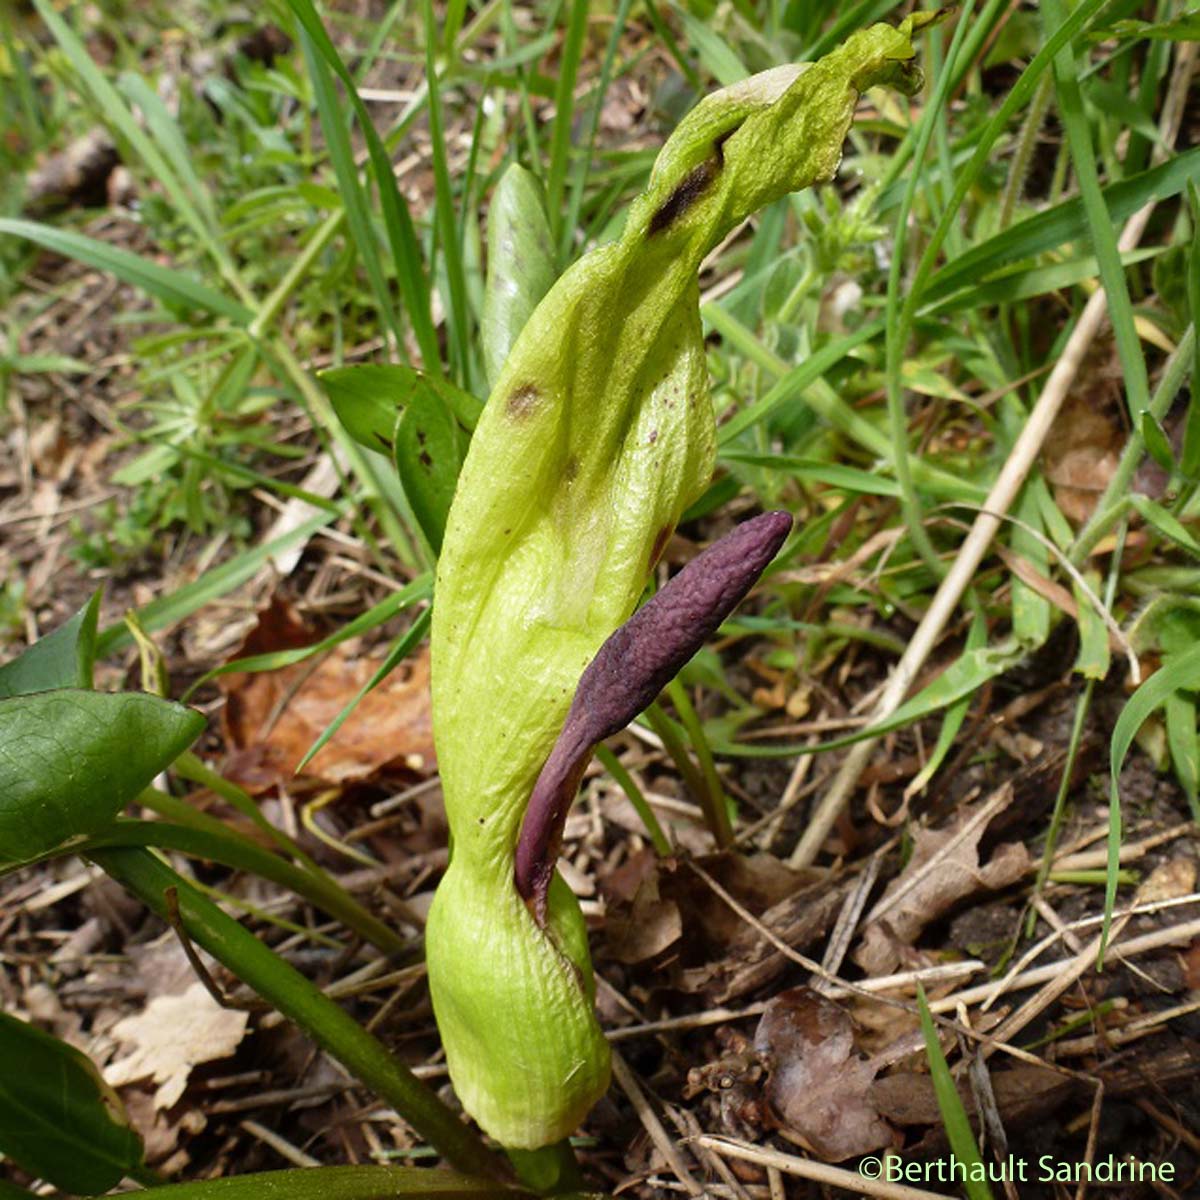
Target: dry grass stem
x=803 y=1168
x=653 y=1126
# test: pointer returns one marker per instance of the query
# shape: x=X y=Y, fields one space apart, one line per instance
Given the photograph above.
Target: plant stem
x=549 y=1170
x=190 y=767
x=338 y=1183
x=269 y=309
x=298 y=999
x=201 y=836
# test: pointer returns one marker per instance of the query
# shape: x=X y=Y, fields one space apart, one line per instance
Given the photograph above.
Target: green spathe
x=596 y=437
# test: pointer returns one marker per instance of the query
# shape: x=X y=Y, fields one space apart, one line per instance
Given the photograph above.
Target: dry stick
x=1185 y=931
x=1066 y=977
x=1003 y=985
x=789 y=1164
x=653 y=1126
x=945 y=601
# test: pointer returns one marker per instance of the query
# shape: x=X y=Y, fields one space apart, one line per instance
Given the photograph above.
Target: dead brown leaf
x=272 y=718
x=646 y=927
x=171 y=1036
x=1081 y=453
x=944 y=869
x=819 y=1084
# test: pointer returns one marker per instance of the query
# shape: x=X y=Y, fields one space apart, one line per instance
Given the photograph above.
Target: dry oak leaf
x=171 y=1036
x=272 y=718
x=943 y=870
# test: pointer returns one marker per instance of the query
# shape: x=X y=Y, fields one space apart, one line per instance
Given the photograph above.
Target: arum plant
x=597 y=435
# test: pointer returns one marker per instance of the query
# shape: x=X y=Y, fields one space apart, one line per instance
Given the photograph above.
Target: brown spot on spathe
x=522 y=401
x=693 y=185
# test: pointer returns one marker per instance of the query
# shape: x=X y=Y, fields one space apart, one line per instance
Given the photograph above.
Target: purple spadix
x=629 y=671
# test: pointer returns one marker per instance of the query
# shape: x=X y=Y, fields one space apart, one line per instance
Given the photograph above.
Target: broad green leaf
x=428 y=456
x=370 y=397
x=338 y=1183
x=520 y=269
x=62 y=659
x=366 y=399
x=172 y=286
x=70 y=760
x=954 y=1116
x=58 y=1119
x=598 y=434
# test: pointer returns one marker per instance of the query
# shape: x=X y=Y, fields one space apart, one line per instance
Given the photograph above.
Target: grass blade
x=397 y=221
x=171 y=286
x=564 y=109
x=1103 y=236
x=354 y=196
x=963 y=1147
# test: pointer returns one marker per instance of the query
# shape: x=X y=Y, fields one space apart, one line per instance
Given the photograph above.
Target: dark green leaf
x=70 y=760
x=428 y=455
x=369 y=398
x=62 y=659
x=58 y=1119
